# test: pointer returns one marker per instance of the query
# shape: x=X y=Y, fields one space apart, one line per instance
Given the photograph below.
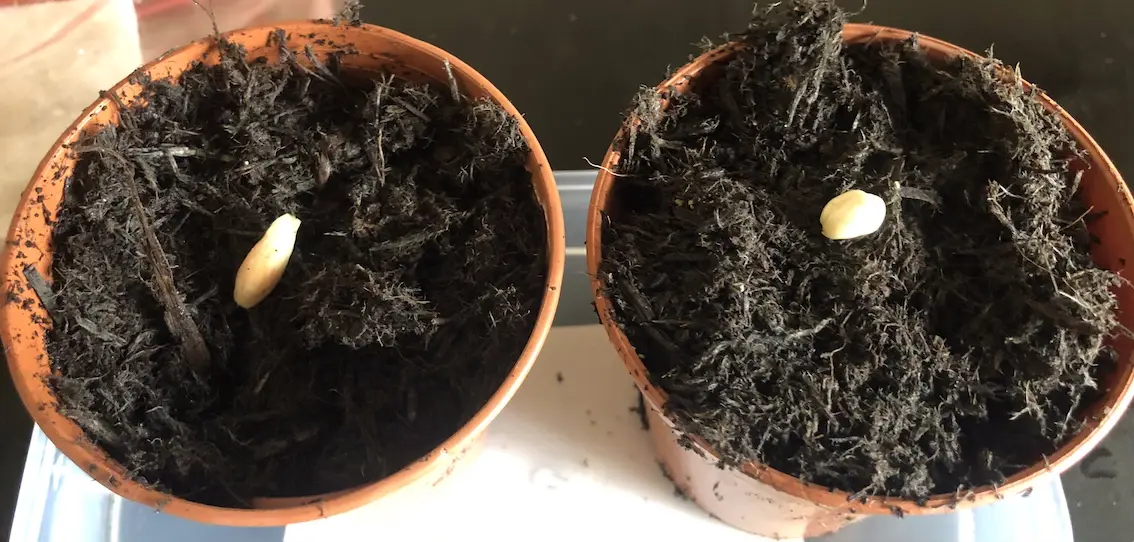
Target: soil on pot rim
x=415 y=283
x=950 y=349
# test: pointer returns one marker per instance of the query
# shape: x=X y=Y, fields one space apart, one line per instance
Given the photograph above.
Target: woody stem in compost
x=176 y=313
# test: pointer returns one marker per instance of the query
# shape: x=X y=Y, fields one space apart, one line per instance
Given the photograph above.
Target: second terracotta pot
x=363 y=50
x=761 y=500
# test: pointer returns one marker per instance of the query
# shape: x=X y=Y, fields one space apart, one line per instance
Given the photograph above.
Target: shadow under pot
x=277 y=275
x=781 y=397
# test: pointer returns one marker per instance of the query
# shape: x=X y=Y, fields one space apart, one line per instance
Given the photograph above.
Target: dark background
x=571 y=68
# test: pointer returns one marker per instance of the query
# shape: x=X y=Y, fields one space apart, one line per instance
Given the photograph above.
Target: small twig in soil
x=176 y=313
x=452 y=82
x=380 y=155
x=93 y=329
x=921 y=195
x=406 y=105
x=319 y=66
x=606 y=169
x=175 y=152
x=41 y=288
x=126 y=121
x=288 y=56
x=158 y=152
x=799 y=334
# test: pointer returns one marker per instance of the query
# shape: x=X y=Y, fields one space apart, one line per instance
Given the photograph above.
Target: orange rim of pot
x=1098 y=420
x=22 y=324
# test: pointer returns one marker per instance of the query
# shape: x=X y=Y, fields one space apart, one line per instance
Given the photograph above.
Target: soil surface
x=416 y=279
x=949 y=349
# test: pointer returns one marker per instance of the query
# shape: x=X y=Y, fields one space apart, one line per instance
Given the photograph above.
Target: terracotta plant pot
x=761 y=500
x=29 y=241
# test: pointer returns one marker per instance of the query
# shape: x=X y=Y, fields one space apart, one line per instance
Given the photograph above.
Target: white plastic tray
x=566 y=460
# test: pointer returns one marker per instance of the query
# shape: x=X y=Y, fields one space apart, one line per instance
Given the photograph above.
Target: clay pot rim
x=1094 y=430
x=113 y=476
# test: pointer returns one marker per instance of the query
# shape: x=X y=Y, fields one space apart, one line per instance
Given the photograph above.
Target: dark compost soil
x=414 y=285
x=948 y=350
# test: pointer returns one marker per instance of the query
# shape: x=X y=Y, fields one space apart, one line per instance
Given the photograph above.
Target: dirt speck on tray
x=413 y=287
x=949 y=349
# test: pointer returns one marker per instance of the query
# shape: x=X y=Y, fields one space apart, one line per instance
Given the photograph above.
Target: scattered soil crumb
x=640 y=410
x=677 y=491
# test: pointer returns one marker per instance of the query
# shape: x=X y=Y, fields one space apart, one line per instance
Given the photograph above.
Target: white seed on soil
x=852 y=214
x=265 y=263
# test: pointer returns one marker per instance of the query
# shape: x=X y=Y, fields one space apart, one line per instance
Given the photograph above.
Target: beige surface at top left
x=55 y=57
